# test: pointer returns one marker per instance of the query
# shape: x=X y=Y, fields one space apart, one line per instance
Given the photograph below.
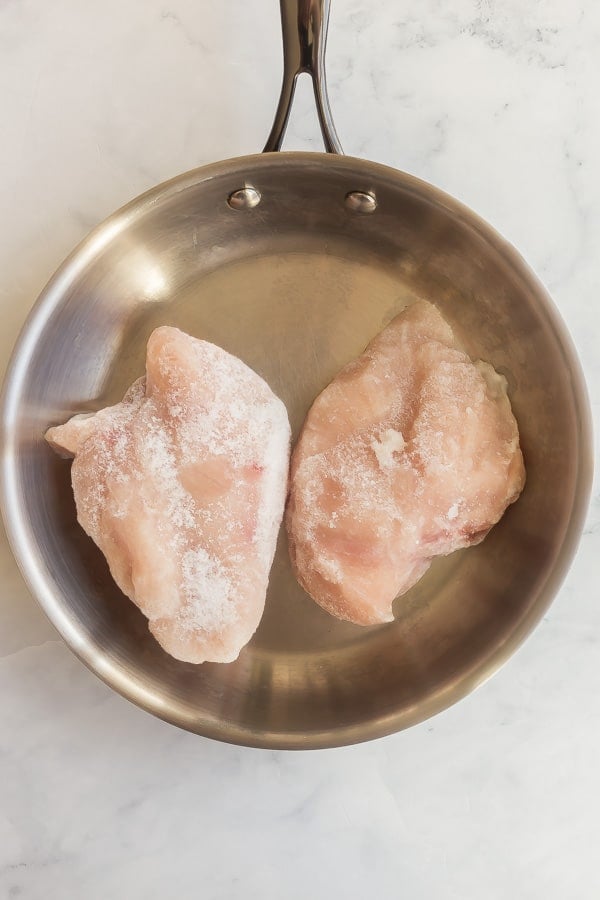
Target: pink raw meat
x=410 y=453
x=182 y=486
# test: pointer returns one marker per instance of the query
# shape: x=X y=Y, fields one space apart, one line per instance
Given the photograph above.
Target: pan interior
x=296 y=287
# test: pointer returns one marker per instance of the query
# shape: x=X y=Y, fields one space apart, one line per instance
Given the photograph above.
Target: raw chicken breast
x=182 y=486
x=410 y=453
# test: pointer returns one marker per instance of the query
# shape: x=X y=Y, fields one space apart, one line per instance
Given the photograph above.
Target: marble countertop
x=495 y=101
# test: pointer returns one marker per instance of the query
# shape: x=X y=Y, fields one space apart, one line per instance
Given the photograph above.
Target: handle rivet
x=244 y=198
x=362 y=202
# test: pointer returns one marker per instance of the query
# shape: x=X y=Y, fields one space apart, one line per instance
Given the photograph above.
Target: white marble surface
x=496 y=101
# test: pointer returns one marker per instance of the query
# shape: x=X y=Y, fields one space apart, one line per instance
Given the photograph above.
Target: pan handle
x=304 y=26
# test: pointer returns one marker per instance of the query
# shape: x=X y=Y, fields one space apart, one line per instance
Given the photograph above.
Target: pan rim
x=125 y=683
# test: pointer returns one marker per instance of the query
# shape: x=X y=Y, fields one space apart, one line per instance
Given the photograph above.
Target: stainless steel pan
x=293 y=262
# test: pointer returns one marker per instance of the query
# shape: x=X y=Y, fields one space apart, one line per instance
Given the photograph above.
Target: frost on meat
x=182 y=486
x=410 y=453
